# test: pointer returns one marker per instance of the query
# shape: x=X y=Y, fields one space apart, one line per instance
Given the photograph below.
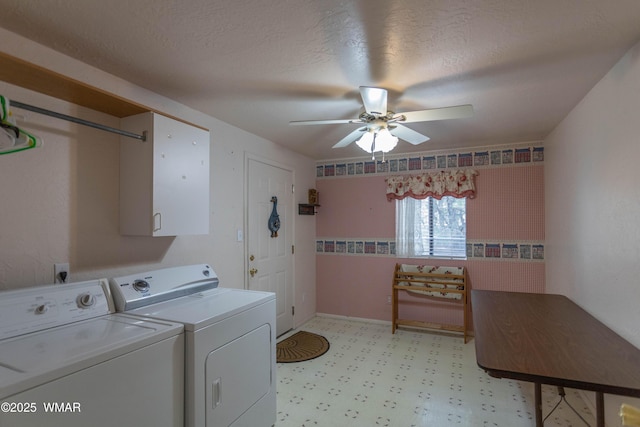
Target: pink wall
x=355 y=207
x=509 y=204
x=509 y=208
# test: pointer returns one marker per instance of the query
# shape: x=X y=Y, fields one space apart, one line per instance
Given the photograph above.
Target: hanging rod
x=39 y=110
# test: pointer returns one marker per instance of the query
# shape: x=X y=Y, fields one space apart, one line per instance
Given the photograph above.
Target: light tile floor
x=370 y=377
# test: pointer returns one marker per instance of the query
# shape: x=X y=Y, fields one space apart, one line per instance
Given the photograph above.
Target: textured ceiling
x=258 y=64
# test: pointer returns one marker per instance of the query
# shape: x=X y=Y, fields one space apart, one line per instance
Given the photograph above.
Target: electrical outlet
x=61 y=272
x=388 y=299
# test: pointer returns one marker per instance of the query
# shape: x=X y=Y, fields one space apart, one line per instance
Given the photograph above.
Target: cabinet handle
x=157 y=219
x=216 y=393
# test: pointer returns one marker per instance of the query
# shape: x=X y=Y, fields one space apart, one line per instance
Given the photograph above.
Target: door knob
x=253 y=271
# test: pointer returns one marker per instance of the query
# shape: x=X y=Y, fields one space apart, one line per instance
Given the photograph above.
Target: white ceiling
x=257 y=64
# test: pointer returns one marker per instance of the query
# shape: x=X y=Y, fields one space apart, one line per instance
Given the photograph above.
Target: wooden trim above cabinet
x=39 y=79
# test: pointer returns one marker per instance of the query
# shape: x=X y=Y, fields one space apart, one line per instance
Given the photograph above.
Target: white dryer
x=66 y=360
x=230 y=360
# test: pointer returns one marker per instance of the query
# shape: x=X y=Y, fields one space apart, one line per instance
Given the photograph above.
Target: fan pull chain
x=373 y=146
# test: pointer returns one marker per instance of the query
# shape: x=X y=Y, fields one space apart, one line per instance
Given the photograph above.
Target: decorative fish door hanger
x=274 y=219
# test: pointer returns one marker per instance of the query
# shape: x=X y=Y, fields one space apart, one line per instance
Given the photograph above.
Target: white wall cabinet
x=164 y=181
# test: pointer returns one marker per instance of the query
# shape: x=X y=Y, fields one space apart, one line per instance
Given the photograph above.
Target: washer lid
x=35 y=358
x=205 y=308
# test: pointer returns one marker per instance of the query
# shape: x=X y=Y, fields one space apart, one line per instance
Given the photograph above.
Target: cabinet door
x=180 y=178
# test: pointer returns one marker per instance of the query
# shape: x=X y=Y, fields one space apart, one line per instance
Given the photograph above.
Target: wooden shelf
x=34 y=77
x=307 y=209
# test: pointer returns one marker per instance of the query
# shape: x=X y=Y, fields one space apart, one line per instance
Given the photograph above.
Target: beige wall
x=593 y=205
x=59 y=203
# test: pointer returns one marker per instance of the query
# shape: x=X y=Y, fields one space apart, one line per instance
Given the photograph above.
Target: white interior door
x=270 y=259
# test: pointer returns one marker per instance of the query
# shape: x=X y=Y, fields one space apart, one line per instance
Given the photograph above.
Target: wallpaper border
x=507 y=250
x=485 y=157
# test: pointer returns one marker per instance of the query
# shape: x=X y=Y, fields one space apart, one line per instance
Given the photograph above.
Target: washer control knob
x=141 y=285
x=41 y=309
x=85 y=300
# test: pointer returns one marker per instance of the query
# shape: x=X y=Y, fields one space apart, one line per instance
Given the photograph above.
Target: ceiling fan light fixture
x=366 y=141
x=377 y=140
x=384 y=141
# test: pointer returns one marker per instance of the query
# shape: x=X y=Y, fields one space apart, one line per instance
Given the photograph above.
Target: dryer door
x=238 y=375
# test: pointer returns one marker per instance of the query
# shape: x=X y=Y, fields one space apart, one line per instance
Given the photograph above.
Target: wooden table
x=548 y=339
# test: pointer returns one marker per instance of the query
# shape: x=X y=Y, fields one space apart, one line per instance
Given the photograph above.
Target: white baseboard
x=388 y=323
x=357 y=319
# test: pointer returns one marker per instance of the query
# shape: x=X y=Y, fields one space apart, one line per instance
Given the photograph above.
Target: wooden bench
x=444 y=284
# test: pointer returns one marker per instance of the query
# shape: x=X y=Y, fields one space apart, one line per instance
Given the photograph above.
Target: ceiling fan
x=382 y=127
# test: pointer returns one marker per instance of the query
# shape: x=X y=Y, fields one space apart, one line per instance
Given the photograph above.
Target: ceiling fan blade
x=350 y=138
x=445 y=113
x=409 y=135
x=324 y=122
x=374 y=99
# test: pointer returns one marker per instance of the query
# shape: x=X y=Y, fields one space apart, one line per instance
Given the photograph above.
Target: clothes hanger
x=13 y=138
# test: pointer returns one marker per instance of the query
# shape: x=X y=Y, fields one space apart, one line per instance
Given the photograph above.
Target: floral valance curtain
x=455 y=183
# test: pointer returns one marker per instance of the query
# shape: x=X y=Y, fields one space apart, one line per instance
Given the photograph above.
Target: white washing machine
x=67 y=360
x=230 y=360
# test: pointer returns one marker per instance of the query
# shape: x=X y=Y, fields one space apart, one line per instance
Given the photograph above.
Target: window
x=431 y=228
